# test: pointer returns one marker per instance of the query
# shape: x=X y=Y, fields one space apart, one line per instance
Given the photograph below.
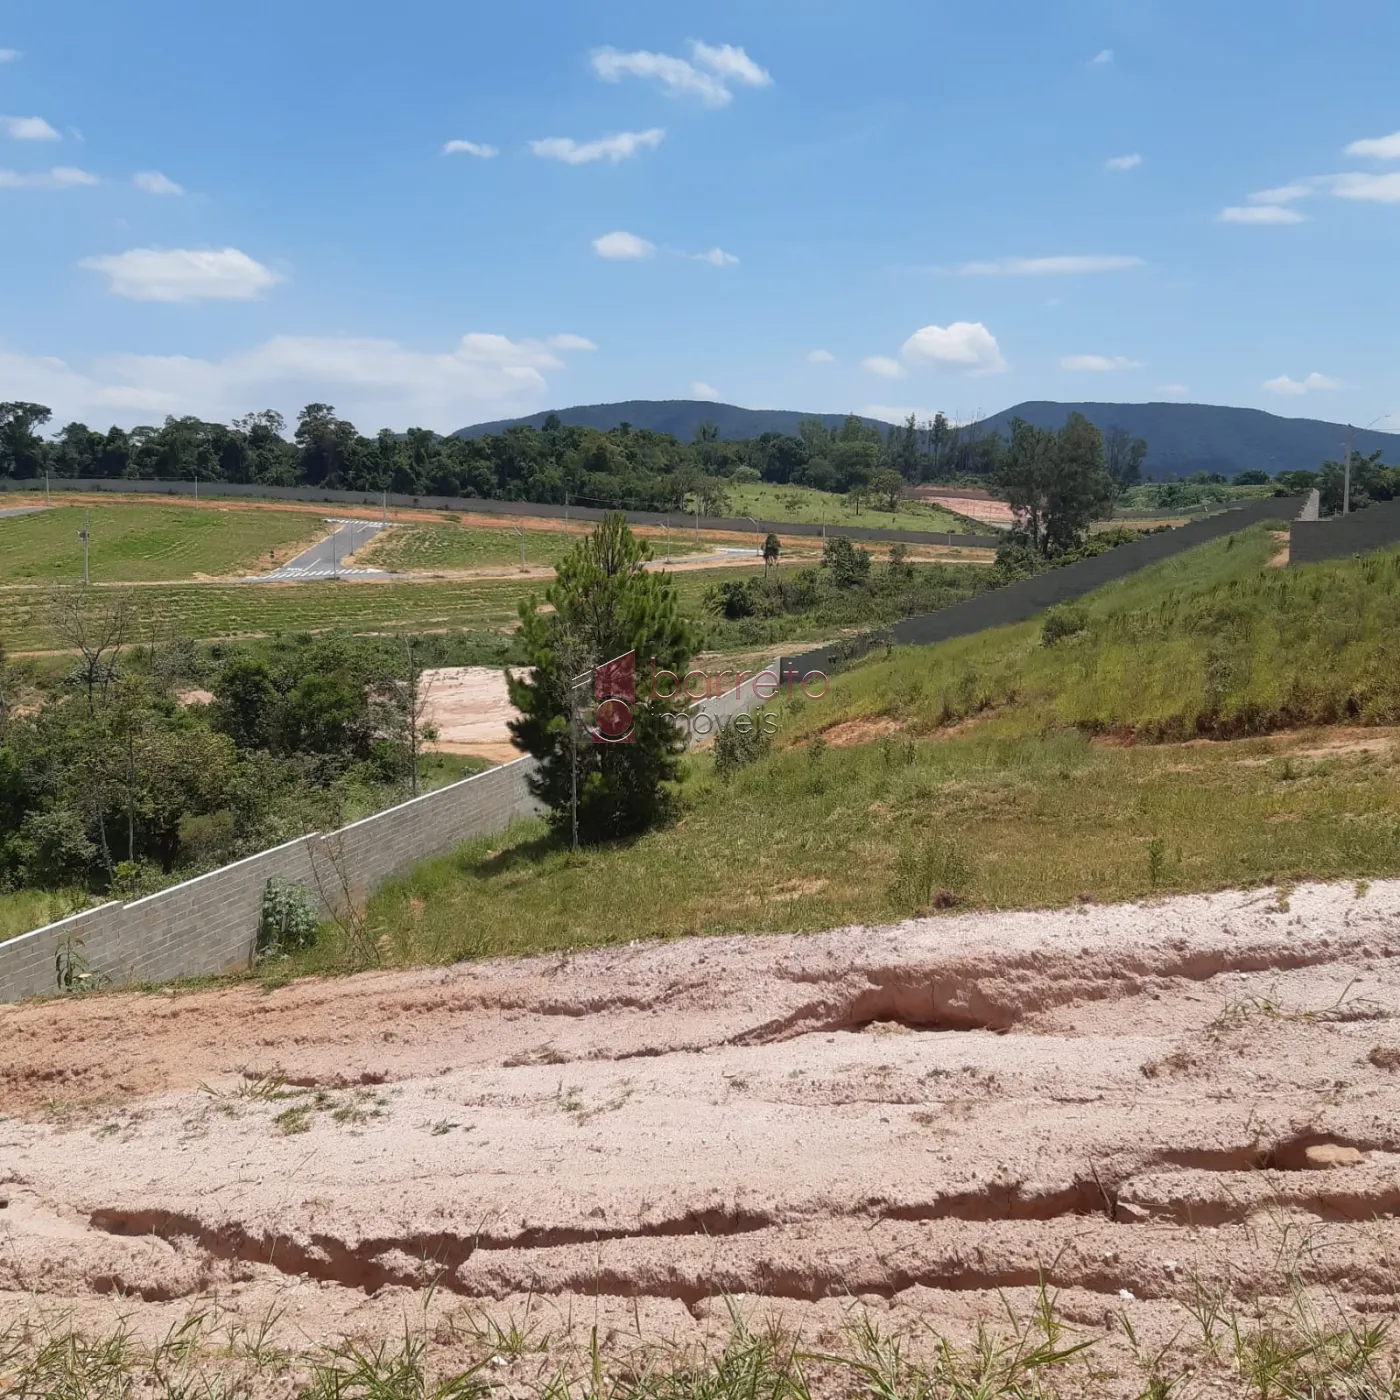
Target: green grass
x=412 y=547
x=207 y=611
x=141 y=543
x=806 y=504
x=22 y=910
x=1210 y=643
x=1022 y=809
x=873 y=833
x=1286 y=1341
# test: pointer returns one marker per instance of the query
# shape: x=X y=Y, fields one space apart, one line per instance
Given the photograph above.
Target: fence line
x=677 y=520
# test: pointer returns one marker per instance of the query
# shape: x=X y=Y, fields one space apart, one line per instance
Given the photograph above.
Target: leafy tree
x=1253 y=477
x=245 y=704
x=887 y=484
x=604 y=604
x=848 y=566
x=21 y=447
x=325 y=442
x=1056 y=482
x=771 y=550
x=1123 y=456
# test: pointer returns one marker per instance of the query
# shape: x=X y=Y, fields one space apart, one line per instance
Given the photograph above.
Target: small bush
x=290 y=918
x=934 y=874
x=1062 y=622
x=737 y=747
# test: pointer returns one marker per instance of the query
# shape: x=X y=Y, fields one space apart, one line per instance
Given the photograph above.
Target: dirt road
x=1138 y=1101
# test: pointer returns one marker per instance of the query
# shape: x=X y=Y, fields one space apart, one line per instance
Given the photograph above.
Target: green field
x=207 y=611
x=881 y=796
x=413 y=547
x=142 y=543
x=805 y=504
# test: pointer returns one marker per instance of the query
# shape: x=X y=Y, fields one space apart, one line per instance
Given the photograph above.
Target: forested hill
x=677 y=417
x=1195 y=437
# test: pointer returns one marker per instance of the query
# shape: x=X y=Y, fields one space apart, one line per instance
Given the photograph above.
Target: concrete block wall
x=1019 y=601
x=1341 y=536
x=210 y=924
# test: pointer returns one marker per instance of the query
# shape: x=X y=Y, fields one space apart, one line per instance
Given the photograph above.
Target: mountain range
x=1181 y=437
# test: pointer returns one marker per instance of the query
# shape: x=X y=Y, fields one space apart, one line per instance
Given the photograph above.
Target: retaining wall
x=1019 y=601
x=1341 y=536
x=210 y=924
x=677 y=520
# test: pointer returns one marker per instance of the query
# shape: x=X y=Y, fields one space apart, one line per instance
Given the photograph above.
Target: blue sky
x=810 y=204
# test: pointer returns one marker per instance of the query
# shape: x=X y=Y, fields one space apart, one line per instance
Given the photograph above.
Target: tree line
x=624 y=468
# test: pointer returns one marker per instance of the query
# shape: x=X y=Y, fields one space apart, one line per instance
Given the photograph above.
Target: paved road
x=21 y=510
x=322 y=560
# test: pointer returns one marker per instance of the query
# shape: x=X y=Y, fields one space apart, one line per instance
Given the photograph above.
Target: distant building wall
x=210 y=924
x=1376 y=527
x=678 y=520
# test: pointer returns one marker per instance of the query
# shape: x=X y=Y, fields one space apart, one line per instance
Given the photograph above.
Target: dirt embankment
x=1138 y=1101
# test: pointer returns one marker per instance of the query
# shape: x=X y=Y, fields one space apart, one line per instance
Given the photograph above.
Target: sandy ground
x=973 y=507
x=470 y=709
x=1137 y=1101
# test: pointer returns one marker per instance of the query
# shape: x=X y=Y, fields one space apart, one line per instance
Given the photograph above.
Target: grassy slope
x=803 y=503
x=1211 y=643
x=137 y=544
x=1023 y=809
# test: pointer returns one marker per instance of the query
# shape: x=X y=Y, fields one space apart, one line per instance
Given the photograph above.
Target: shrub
x=736 y=747
x=1063 y=621
x=290 y=918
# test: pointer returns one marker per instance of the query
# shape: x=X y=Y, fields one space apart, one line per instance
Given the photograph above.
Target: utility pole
x=1346 y=476
x=521 y=534
x=46 y=487
x=668 y=539
x=83 y=535
x=335 y=558
x=196 y=486
x=566 y=515
x=384 y=509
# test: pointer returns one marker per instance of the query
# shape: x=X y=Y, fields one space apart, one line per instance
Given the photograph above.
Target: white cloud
x=622 y=245
x=184 y=274
x=1123 y=162
x=1049 y=267
x=963 y=345
x=700 y=390
x=613 y=148
x=892 y=413
x=470 y=148
x=1098 y=364
x=1313 y=383
x=1381 y=147
x=1103 y=57
x=730 y=61
x=1383 y=189
x=820 y=357
x=885 y=367
x=1285 y=194
x=680 y=77
x=375 y=383
x=1174 y=391
x=61 y=177
x=8 y=55
x=153 y=182
x=1260 y=214
x=28 y=129
x=570 y=342
x=717 y=257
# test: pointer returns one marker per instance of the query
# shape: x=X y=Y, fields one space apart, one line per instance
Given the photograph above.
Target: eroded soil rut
x=1129 y=1103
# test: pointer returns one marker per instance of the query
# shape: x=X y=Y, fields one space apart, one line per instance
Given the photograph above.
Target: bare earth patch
x=470 y=709
x=851 y=732
x=916 y=1120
